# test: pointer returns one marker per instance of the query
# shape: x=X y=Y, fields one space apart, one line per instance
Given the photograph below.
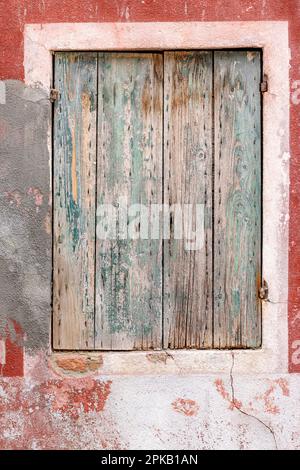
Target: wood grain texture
x=188 y=180
x=129 y=272
x=237 y=199
x=143 y=296
x=74 y=200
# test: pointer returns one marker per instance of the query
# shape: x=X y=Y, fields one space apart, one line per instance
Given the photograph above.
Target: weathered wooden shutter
x=237 y=199
x=128 y=311
x=172 y=128
x=188 y=180
x=74 y=200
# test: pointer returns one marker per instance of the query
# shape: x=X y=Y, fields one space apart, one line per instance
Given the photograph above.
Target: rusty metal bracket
x=263 y=292
x=264 y=84
x=54 y=94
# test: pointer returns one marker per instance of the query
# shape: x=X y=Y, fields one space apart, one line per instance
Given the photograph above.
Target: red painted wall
x=16 y=13
x=13 y=365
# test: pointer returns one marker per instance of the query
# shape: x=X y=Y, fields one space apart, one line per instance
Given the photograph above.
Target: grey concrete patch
x=25 y=221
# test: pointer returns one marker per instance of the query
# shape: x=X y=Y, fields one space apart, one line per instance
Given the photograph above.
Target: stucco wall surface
x=46 y=410
x=72 y=402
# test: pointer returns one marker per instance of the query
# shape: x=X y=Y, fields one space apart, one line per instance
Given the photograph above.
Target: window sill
x=268 y=359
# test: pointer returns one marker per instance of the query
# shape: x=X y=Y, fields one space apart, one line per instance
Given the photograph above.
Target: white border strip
x=41 y=39
x=2 y=352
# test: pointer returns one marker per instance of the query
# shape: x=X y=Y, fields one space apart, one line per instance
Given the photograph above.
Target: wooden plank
x=129 y=273
x=74 y=200
x=188 y=180
x=237 y=200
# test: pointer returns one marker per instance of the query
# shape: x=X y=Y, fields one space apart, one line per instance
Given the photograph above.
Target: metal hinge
x=54 y=94
x=264 y=84
x=263 y=292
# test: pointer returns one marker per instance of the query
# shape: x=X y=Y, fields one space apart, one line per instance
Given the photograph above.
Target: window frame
x=272 y=38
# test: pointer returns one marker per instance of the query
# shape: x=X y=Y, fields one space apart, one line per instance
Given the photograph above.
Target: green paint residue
x=129 y=309
x=115 y=281
x=243 y=204
x=235 y=301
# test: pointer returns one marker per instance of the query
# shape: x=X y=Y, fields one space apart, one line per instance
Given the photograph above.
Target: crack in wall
x=233 y=400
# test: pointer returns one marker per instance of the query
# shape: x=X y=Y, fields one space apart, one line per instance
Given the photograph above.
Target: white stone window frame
x=41 y=40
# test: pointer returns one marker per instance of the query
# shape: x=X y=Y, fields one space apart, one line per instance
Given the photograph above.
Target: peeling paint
x=11 y=350
x=2 y=93
x=186 y=406
x=52 y=414
x=73 y=396
x=269 y=397
x=78 y=363
x=233 y=403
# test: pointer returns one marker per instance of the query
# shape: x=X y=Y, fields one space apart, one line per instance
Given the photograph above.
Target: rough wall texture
x=76 y=407
x=25 y=254
x=48 y=411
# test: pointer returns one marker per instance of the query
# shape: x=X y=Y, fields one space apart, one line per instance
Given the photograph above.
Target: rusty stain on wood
x=264 y=84
x=54 y=94
x=263 y=291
